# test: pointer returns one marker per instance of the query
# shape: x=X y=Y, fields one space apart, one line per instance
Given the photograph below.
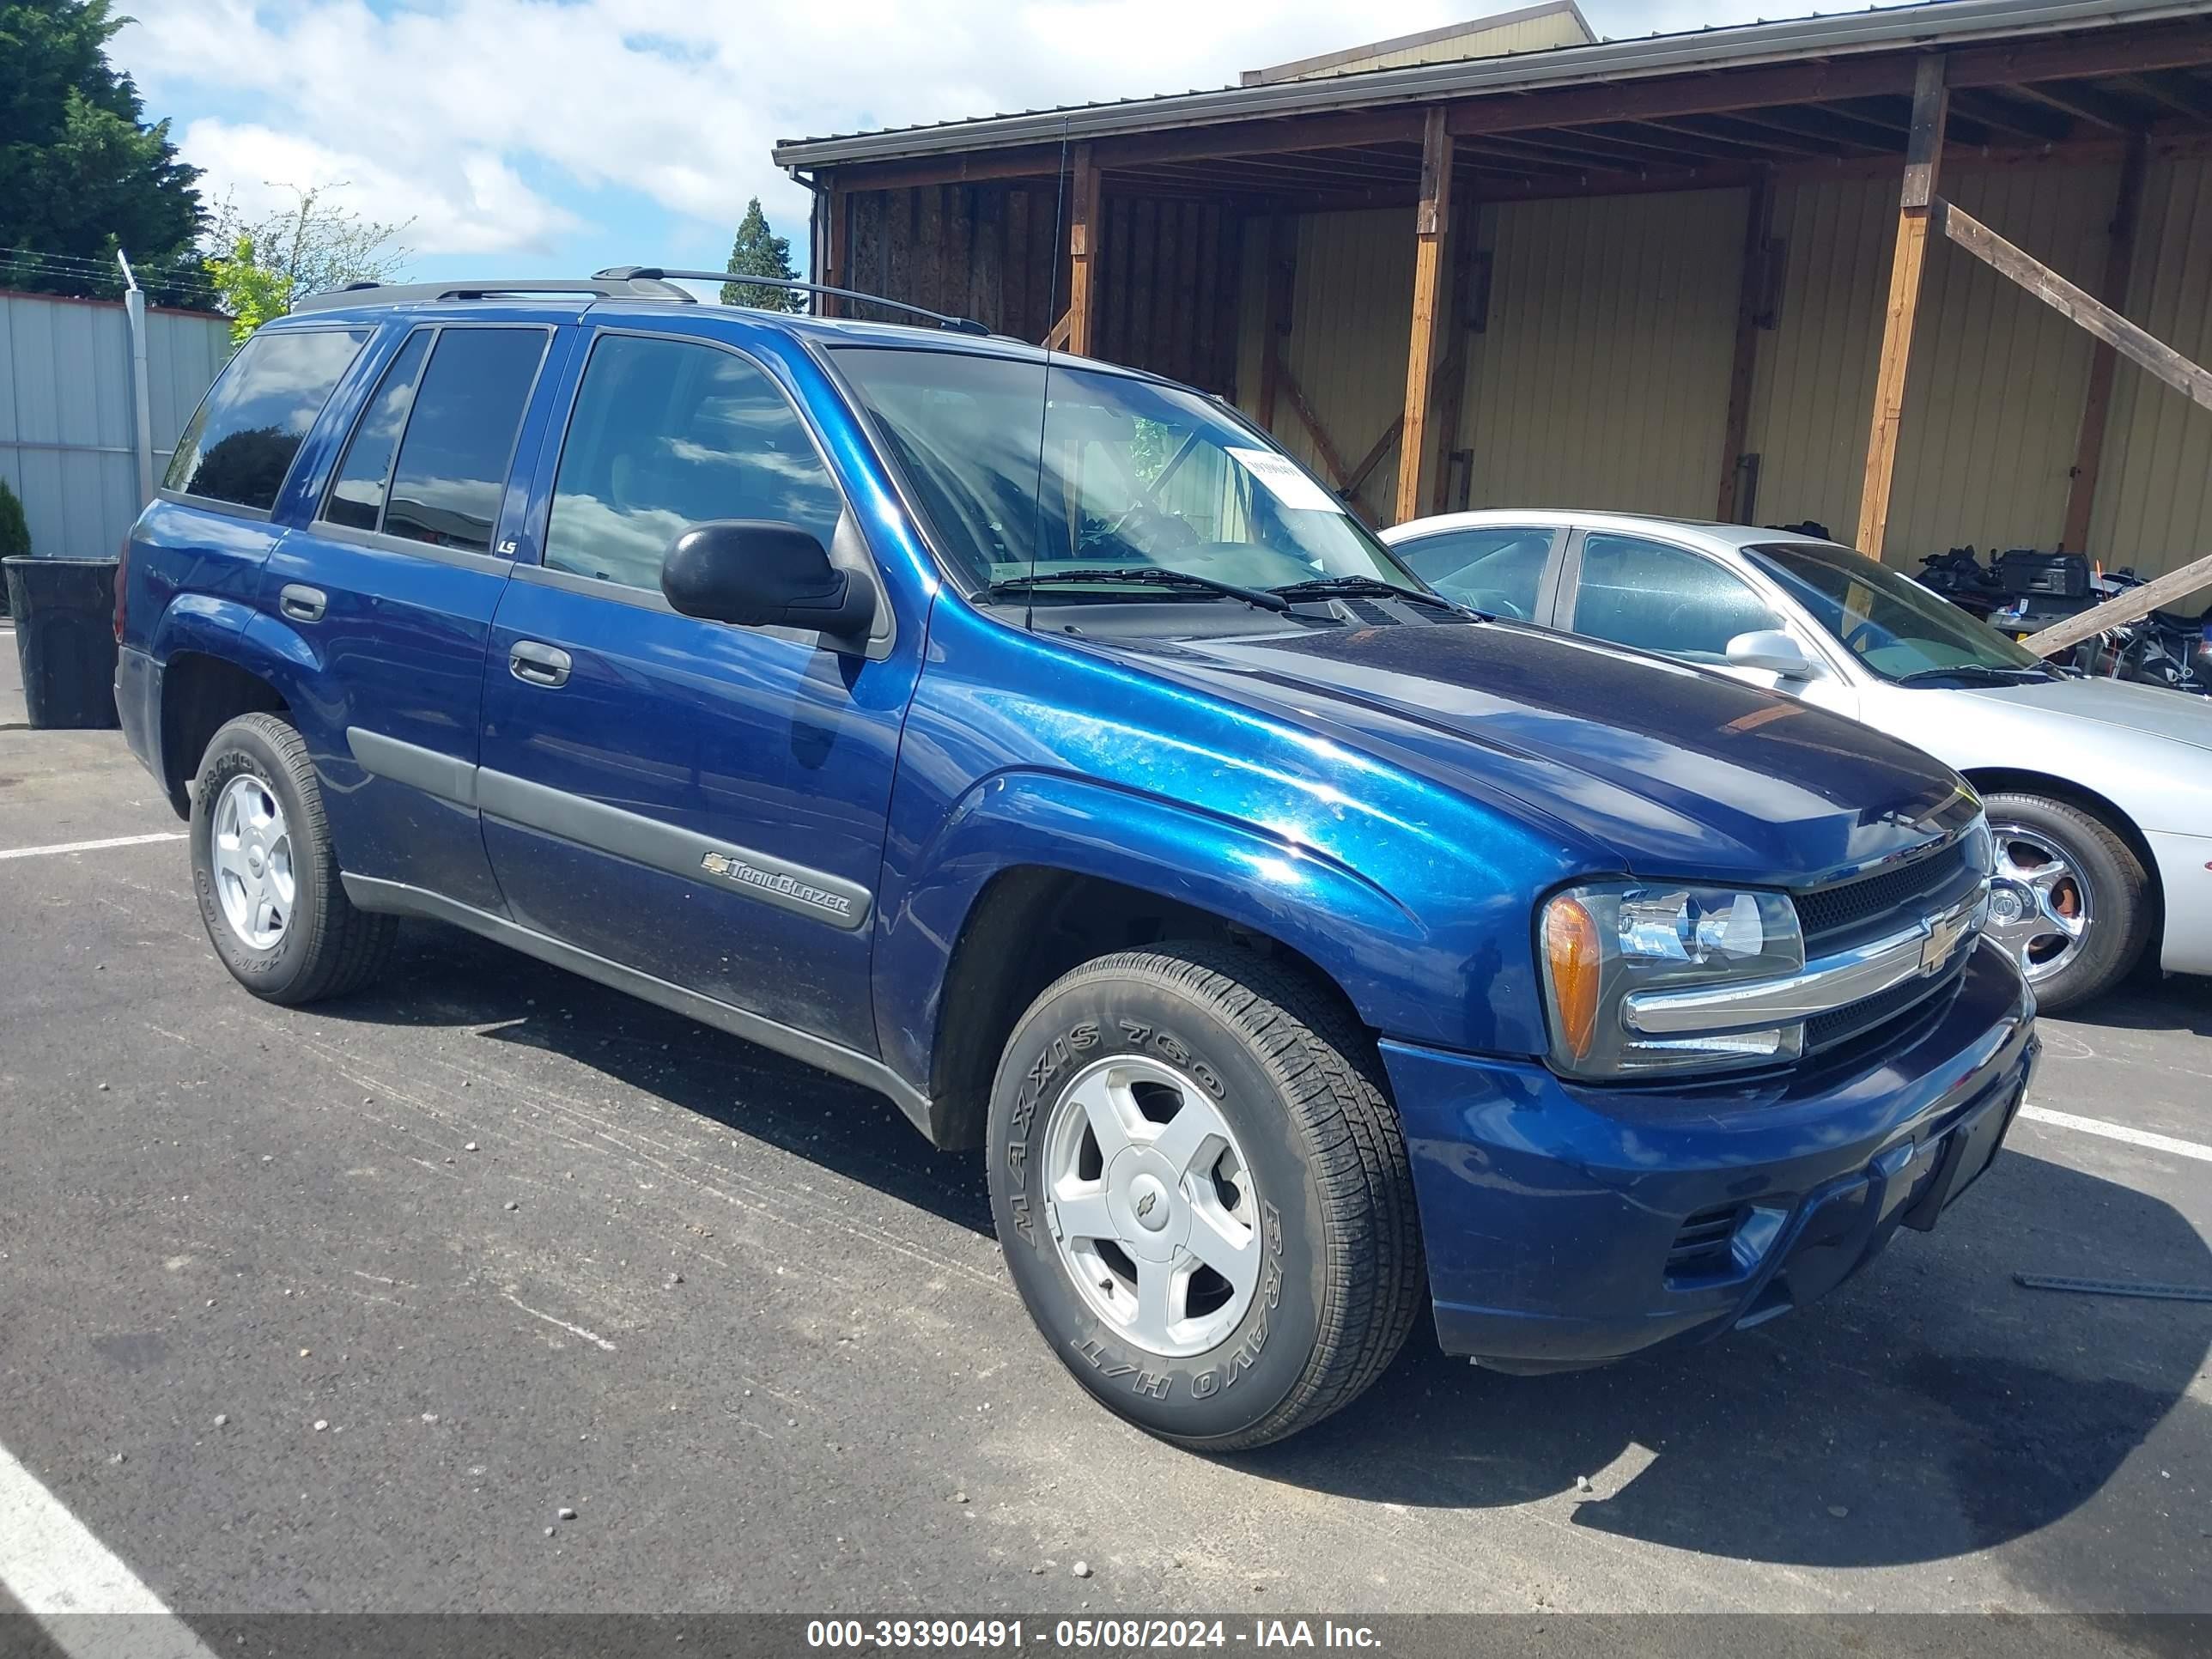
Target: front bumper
x=1567 y=1226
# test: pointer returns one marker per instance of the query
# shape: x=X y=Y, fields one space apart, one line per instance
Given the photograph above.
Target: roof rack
x=655 y=273
x=606 y=285
x=616 y=282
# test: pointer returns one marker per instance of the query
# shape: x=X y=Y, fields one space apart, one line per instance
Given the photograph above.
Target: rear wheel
x=266 y=879
x=2069 y=898
x=1203 y=1194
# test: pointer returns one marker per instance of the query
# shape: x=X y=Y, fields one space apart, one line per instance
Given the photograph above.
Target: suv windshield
x=1134 y=478
x=1890 y=622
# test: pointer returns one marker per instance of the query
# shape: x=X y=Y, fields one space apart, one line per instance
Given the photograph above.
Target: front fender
x=1447 y=980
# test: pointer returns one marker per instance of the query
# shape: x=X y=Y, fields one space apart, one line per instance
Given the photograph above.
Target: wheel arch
x=201 y=692
x=1031 y=924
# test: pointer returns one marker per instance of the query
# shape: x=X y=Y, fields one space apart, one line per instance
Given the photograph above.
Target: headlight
x=1604 y=943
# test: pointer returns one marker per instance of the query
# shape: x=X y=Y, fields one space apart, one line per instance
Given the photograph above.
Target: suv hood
x=1659 y=768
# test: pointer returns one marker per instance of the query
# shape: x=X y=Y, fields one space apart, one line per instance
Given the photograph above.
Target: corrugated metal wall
x=1527 y=35
x=1993 y=405
x=67 y=429
x=2154 y=500
x=988 y=251
x=1601 y=377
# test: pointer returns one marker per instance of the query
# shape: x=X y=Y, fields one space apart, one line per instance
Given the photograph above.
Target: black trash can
x=65 y=611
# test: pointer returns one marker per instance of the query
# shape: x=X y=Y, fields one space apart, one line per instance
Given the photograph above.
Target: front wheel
x=2069 y=898
x=1203 y=1193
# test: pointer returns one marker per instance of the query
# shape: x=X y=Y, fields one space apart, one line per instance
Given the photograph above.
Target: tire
x=2112 y=888
x=317 y=944
x=1311 y=1176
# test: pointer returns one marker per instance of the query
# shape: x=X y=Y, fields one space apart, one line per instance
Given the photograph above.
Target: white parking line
x=89 y=846
x=91 y=1604
x=2091 y=1126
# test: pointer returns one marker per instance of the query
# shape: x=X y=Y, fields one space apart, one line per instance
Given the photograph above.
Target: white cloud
x=446 y=115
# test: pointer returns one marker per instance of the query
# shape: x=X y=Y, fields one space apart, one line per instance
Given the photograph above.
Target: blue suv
x=1032 y=741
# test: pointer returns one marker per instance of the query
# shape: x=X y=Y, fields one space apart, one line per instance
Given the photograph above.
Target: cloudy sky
x=539 y=137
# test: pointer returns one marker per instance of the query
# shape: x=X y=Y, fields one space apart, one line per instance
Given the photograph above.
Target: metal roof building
x=1745 y=272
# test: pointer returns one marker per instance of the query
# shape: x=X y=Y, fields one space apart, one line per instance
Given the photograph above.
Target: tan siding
x=1531 y=35
x=1601 y=380
x=2155 y=501
x=1351 y=318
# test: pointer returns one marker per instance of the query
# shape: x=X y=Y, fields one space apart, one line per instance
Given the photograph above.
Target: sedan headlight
x=1603 y=944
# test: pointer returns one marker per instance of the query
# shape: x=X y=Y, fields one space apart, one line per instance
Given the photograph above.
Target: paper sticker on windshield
x=1285 y=482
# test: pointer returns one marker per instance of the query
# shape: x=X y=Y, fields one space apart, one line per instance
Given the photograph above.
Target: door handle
x=303 y=603
x=537 y=665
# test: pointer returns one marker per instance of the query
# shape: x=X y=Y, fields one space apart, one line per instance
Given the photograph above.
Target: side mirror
x=762 y=574
x=1776 y=652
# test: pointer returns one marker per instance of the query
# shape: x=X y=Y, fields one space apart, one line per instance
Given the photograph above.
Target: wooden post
x=2122 y=608
x=1924 y=152
x=839 y=256
x=1452 y=392
x=1432 y=218
x=1275 y=324
x=2096 y=405
x=1758 y=234
x=1082 y=228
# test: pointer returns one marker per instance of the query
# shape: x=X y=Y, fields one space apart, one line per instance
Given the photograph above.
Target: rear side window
x=453 y=462
x=357 y=498
x=241 y=440
x=667 y=435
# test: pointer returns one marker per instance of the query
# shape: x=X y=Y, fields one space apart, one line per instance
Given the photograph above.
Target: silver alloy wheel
x=250 y=848
x=1152 y=1203
x=2041 y=907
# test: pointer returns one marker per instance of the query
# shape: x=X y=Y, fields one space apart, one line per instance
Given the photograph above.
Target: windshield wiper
x=1969 y=671
x=1370 y=588
x=1154 y=575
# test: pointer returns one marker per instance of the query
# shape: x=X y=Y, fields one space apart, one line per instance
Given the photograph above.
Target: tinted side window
x=241 y=440
x=453 y=463
x=1496 y=568
x=1661 y=598
x=666 y=435
x=357 y=497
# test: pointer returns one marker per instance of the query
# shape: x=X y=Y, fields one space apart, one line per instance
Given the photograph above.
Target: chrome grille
x=1864 y=907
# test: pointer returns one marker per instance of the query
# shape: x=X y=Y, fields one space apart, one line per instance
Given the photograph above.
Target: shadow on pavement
x=1929 y=1409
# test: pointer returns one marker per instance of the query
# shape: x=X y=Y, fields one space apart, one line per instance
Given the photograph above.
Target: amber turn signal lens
x=1571 y=941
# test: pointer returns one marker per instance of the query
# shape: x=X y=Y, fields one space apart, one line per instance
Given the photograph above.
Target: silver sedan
x=2099 y=792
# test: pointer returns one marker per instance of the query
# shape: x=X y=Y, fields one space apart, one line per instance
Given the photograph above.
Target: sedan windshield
x=1891 y=623
x=1109 y=482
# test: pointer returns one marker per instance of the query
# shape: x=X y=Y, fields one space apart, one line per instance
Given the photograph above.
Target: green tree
x=759 y=252
x=81 y=173
x=15 y=535
x=259 y=266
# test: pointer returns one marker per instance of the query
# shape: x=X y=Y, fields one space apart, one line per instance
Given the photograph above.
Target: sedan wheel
x=2068 y=898
x=2041 y=906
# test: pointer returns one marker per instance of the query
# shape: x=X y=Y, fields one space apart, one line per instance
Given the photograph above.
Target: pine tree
x=759 y=252
x=81 y=173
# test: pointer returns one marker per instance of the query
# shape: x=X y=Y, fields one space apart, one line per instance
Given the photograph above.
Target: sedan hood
x=2152 y=710
x=1652 y=766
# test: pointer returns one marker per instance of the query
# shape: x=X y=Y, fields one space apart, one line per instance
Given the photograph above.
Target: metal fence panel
x=67 y=429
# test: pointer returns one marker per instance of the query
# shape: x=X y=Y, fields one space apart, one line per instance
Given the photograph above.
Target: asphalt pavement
x=492 y=1290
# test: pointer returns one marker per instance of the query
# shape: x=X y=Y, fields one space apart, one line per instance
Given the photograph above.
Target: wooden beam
x=838 y=255
x=2088 y=103
x=1263 y=137
x=1084 y=225
x=1923 y=156
x=2078 y=306
x=1432 y=218
x=2104 y=366
x=1332 y=459
x=1275 y=321
x=1365 y=467
x=2130 y=606
x=1451 y=392
x=1056 y=339
x=1751 y=294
